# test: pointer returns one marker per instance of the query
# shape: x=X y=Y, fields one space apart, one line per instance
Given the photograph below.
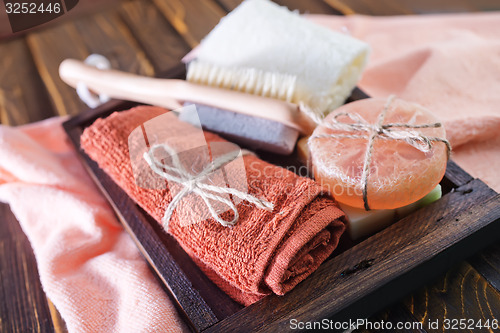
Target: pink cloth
x=448 y=63
x=89 y=266
x=91 y=269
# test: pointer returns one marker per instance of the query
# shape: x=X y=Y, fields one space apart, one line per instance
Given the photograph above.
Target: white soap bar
x=263 y=35
x=361 y=223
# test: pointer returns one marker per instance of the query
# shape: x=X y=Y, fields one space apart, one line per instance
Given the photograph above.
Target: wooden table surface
x=148 y=37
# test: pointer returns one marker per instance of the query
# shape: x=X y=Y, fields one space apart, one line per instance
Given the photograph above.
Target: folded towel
x=264 y=251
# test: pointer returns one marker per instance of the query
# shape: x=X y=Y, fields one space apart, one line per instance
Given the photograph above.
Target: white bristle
x=262 y=35
x=249 y=80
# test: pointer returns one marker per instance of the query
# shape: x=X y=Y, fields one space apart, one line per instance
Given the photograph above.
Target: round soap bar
x=401 y=167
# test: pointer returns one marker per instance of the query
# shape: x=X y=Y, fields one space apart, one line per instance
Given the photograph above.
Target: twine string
x=193 y=183
x=394 y=131
x=93 y=100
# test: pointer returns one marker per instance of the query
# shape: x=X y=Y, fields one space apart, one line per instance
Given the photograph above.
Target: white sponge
x=260 y=34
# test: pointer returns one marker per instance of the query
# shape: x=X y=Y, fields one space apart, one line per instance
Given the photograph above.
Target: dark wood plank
x=455 y=176
x=23 y=98
x=405 y=255
x=399 y=318
x=341 y=6
x=229 y=5
x=461 y=295
x=192 y=19
x=83 y=8
x=309 y=7
x=57 y=320
x=50 y=47
x=104 y=33
x=23 y=305
x=162 y=44
x=487 y=263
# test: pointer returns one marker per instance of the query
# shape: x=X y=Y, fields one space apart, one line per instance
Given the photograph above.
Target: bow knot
x=386 y=131
x=193 y=183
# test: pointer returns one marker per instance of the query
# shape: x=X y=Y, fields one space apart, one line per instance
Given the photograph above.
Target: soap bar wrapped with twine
x=251 y=238
x=379 y=154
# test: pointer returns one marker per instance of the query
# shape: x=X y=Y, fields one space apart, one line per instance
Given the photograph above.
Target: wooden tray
x=358 y=280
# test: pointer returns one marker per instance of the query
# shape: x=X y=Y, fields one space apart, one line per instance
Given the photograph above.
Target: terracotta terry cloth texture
x=449 y=63
x=89 y=266
x=265 y=251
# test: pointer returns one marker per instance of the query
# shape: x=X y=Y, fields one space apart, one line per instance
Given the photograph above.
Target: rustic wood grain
x=84 y=7
x=162 y=44
x=396 y=315
x=487 y=263
x=24 y=307
x=455 y=176
x=229 y=5
x=340 y=6
x=57 y=320
x=107 y=34
x=192 y=19
x=104 y=34
x=462 y=294
x=50 y=47
x=23 y=98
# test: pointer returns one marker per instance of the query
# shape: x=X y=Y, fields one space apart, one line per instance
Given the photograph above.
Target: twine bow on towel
x=193 y=183
x=394 y=131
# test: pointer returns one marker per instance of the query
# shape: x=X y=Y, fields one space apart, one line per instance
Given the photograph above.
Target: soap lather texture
x=265 y=252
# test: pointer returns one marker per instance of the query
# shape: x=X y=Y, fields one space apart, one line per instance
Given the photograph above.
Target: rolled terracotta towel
x=264 y=251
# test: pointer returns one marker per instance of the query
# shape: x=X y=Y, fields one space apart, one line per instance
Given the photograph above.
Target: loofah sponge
x=262 y=35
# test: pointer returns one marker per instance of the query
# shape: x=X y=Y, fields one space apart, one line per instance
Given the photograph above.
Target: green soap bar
x=361 y=223
x=432 y=196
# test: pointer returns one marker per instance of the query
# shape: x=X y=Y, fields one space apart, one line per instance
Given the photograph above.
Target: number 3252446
x=32 y=8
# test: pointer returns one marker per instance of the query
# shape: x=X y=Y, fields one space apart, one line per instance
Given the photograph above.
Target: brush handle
x=171 y=93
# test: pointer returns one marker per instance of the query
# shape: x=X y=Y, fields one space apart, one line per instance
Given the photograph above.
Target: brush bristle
x=249 y=80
